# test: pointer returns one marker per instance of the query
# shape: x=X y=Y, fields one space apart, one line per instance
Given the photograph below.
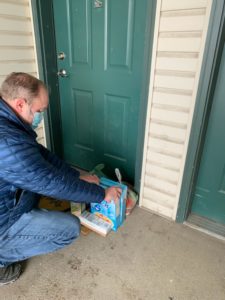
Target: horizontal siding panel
x=182 y=23
x=16 y=53
x=11 y=8
x=176 y=135
x=40 y=139
x=179 y=44
x=182 y=101
x=17 y=2
x=184 y=4
x=174 y=82
x=169 y=162
x=163 y=173
x=172 y=91
x=168 y=147
x=39 y=129
x=17 y=67
x=16 y=40
x=178 y=64
x=158 y=197
x=170 y=116
x=11 y=24
x=160 y=185
x=3 y=76
x=40 y=134
x=156 y=208
x=170 y=107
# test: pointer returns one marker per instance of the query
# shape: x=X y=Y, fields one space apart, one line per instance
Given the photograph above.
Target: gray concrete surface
x=148 y=258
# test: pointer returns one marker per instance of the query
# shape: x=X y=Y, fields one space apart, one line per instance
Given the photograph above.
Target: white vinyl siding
x=17 y=45
x=180 y=33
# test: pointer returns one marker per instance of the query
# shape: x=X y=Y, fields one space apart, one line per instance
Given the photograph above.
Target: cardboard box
x=113 y=213
x=53 y=204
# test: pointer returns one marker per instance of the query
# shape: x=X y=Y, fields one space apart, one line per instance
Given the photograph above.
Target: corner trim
x=149 y=36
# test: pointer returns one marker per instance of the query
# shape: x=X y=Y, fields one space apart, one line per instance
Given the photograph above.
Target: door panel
x=209 y=197
x=100 y=98
x=79 y=19
x=119 y=47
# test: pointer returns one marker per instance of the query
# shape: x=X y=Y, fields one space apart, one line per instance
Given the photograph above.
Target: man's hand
x=112 y=194
x=90 y=178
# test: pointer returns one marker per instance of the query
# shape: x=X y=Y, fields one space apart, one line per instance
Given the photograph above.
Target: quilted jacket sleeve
x=58 y=163
x=22 y=164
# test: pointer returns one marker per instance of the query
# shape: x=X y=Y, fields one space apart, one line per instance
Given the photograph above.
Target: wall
x=17 y=45
x=180 y=33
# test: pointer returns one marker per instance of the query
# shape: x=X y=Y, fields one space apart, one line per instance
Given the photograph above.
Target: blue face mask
x=38 y=116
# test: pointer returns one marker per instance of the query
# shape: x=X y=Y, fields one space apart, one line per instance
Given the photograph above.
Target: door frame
x=46 y=43
x=42 y=13
x=207 y=83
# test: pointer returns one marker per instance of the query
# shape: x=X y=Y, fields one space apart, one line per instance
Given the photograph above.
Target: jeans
x=37 y=232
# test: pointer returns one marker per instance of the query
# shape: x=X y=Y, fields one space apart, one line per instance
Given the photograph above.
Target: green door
x=209 y=196
x=102 y=52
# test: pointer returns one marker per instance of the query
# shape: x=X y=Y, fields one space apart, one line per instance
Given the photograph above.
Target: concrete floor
x=148 y=258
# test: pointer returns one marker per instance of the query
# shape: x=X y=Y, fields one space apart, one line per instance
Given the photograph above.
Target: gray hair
x=21 y=85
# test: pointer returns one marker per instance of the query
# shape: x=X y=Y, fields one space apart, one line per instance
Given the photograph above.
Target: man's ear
x=19 y=104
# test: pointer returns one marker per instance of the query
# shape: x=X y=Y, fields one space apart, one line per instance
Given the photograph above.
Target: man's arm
x=23 y=165
x=57 y=162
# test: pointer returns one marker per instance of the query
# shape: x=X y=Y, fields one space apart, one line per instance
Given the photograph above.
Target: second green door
x=209 y=195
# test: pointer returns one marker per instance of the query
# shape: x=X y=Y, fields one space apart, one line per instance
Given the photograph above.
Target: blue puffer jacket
x=28 y=170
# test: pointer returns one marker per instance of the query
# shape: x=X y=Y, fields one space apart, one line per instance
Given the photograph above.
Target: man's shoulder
x=14 y=140
x=9 y=131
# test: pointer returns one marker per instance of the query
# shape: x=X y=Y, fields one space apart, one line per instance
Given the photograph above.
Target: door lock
x=98 y=4
x=62 y=73
x=61 y=55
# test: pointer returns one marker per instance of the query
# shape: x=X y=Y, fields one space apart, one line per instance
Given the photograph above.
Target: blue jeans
x=37 y=232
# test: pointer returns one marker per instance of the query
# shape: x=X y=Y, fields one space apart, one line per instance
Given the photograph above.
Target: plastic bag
x=98 y=171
